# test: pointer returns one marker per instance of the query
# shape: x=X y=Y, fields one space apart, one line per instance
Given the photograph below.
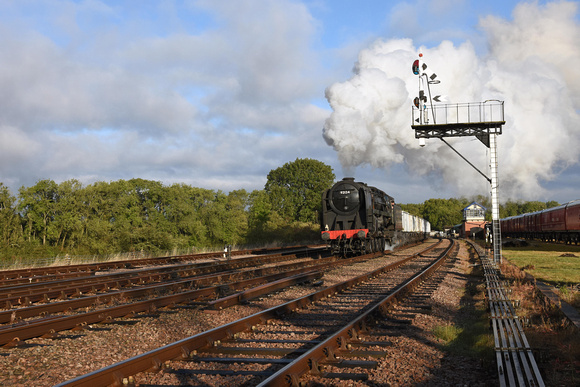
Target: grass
x=556 y=344
x=544 y=261
x=447 y=332
x=571 y=296
x=473 y=339
x=65 y=260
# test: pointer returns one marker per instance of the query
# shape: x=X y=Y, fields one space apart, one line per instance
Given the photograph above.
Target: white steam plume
x=531 y=65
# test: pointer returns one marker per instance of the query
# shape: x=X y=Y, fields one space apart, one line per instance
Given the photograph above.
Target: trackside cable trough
x=516 y=365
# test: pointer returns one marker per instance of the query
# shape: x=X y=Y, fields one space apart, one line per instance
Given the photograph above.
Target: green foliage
x=444 y=213
x=10 y=233
x=441 y=213
x=48 y=219
x=447 y=332
x=511 y=208
x=295 y=189
x=38 y=205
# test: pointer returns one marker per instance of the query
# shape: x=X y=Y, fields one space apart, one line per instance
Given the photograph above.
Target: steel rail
x=113 y=375
x=295 y=273
x=200 y=266
x=331 y=348
x=9 y=316
x=129 y=263
x=258 y=276
x=47 y=327
x=42 y=292
x=45 y=278
x=35 y=273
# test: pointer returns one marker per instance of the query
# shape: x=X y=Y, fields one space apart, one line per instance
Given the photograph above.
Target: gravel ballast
x=420 y=358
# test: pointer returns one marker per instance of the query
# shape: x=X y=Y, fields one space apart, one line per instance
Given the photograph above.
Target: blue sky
x=216 y=94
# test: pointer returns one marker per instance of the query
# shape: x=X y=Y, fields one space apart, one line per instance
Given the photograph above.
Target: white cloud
x=217 y=94
x=372 y=111
x=116 y=99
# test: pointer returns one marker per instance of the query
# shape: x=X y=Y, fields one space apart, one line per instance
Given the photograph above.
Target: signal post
x=483 y=120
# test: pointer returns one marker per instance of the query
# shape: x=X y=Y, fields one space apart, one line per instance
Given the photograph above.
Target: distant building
x=473 y=219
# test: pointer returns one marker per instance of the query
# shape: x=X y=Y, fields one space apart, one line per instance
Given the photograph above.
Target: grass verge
x=557 y=264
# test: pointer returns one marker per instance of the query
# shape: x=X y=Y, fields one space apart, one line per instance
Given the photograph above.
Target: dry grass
x=555 y=342
x=65 y=260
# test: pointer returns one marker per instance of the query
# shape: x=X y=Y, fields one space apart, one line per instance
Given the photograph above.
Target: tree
x=9 y=218
x=534 y=206
x=182 y=210
x=295 y=189
x=97 y=226
x=226 y=218
x=508 y=209
x=259 y=214
x=442 y=213
x=67 y=224
x=138 y=216
x=413 y=209
x=511 y=208
x=38 y=205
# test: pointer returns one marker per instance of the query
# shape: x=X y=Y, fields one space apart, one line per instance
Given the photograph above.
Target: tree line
x=50 y=219
x=445 y=213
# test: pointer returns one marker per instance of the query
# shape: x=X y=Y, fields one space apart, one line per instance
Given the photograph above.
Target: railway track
x=315 y=336
x=48 y=273
x=26 y=294
x=141 y=291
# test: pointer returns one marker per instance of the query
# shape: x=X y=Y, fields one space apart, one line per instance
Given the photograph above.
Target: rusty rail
x=37 y=272
x=255 y=276
x=279 y=277
x=329 y=350
x=151 y=361
x=42 y=292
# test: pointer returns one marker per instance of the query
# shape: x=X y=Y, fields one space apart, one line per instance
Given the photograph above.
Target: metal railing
x=459 y=113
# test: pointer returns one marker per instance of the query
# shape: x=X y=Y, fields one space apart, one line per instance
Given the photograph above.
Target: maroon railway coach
x=557 y=224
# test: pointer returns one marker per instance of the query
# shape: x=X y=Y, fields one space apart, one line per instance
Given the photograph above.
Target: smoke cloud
x=529 y=64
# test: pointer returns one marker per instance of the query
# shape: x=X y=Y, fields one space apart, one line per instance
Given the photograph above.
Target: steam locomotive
x=558 y=224
x=360 y=219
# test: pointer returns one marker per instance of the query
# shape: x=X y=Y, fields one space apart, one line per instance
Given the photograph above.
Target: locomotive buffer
x=483 y=120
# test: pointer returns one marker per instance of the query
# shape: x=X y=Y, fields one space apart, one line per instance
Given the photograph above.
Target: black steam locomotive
x=358 y=219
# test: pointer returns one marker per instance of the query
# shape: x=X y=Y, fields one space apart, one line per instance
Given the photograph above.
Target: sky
x=216 y=94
